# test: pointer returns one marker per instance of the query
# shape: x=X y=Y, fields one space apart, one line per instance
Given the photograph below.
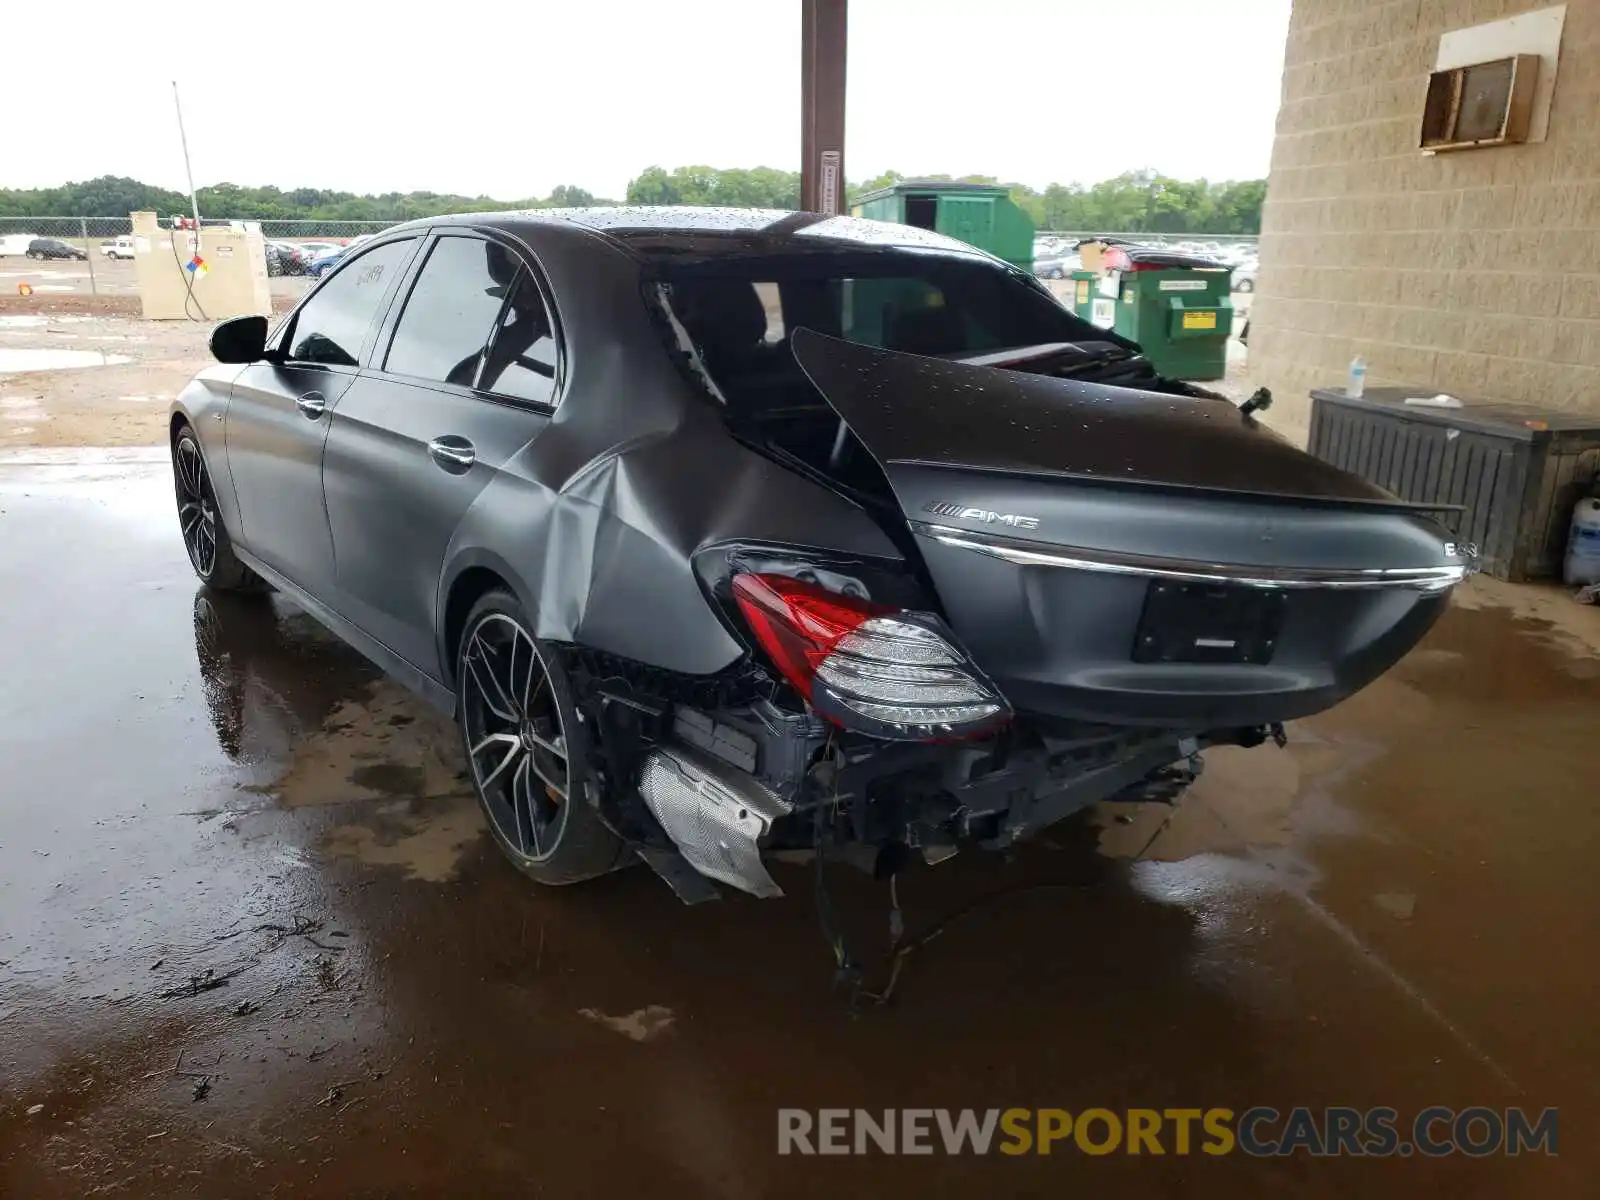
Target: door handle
x=312 y=405
x=454 y=454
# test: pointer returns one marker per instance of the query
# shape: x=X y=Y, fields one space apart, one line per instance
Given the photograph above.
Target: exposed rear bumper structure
x=716 y=815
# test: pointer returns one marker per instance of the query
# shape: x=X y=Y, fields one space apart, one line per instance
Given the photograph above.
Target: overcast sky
x=508 y=100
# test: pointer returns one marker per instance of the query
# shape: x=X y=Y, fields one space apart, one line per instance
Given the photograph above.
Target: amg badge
x=944 y=508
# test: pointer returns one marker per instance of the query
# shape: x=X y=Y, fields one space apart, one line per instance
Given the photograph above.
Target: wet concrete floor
x=254 y=941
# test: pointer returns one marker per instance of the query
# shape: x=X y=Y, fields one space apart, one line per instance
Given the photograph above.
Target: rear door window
x=332 y=325
x=521 y=362
x=452 y=311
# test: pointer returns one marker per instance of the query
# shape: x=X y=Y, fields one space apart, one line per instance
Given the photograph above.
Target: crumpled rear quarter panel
x=604 y=510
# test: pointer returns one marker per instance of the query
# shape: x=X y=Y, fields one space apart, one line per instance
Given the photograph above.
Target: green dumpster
x=980 y=214
x=1092 y=300
x=1085 y=286
x=1179 y=309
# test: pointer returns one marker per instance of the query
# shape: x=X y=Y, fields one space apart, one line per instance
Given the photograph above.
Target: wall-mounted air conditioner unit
x=1483 y=104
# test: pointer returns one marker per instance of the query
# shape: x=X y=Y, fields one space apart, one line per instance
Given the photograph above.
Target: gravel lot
x=82 y=368
x=100 y=276
x=109 y=382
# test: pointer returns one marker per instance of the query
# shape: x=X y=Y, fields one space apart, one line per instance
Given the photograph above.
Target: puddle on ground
x=395 y=762
x=14 y=361
x=388 y=746
x=1548 y=612
x=22 y=408
x=427 y=838
x=1522 y=659
x=642 y=1025
x=1400 y=905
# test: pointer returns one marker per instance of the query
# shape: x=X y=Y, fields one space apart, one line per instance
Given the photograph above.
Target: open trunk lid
x=1108 y=553
x=931 y=411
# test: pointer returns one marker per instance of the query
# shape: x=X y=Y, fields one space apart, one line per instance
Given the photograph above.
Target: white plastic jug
x=1583 y=544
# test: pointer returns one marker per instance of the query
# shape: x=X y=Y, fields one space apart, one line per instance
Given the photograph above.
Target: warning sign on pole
x=829 y=200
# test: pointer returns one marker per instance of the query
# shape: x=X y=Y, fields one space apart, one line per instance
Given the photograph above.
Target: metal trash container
x=1178 y=307
x=980 y=214
x=1514 y=470
x=1090 y=302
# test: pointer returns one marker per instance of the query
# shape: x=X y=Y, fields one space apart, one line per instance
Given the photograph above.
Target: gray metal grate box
x=1517 y=470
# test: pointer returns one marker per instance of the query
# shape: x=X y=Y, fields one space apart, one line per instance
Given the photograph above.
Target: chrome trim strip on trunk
x=1112 y=562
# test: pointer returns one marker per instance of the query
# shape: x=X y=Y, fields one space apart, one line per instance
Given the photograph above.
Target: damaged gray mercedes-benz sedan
x=725 y=532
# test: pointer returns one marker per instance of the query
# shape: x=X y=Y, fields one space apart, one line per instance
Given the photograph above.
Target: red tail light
x=883 y=671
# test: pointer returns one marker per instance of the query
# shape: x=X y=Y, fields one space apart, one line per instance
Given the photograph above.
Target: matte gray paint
x=591 y=513
x=1142 y=473
x=594 y=515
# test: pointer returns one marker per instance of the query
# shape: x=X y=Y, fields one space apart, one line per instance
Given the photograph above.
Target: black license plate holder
x=1208 y=623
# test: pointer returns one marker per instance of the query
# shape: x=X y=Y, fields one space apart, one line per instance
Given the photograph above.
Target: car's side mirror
x=240 y=340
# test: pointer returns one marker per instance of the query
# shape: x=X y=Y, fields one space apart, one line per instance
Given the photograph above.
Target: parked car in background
x=1058 y=265
x=313 y=250
x=121 y=247
x=285 y=258
x=323 y=263
x=726 y=532
x=47 y=247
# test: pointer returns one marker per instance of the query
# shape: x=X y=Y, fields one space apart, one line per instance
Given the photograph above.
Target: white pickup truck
x=122 y=247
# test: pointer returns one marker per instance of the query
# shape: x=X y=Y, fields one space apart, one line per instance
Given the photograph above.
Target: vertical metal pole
x=83 y=225
x=808 y=106
x=822 y=94
x=183 y=140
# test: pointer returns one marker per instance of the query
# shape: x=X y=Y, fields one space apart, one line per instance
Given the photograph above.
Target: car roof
x=685 y=233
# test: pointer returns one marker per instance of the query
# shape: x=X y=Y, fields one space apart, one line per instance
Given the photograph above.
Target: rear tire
x=527 y=750
x=205 y=537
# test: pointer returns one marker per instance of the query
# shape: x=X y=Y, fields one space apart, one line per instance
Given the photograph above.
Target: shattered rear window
x=938 y=305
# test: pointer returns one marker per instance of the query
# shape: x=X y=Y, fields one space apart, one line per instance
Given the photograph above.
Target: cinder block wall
x=1476 y=271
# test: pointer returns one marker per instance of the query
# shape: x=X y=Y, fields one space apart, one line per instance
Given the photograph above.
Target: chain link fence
x=294 y=243
x=302 y=230
x=111 y=228
x=1240 y=241
x=291 y=244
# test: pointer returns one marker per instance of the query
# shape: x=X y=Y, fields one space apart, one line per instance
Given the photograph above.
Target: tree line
x=115 y=196
x=1135 y=201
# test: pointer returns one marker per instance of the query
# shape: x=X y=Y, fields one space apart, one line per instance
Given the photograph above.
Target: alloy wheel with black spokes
x=526 y=749
x=205 y=538
x=197 y=510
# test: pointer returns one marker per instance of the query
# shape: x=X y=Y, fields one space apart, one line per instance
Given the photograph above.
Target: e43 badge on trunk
x=945 y=508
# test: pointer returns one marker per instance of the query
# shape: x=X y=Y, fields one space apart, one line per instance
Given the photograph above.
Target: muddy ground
x=84 y=369
x=255 y=942
x=105 y=380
